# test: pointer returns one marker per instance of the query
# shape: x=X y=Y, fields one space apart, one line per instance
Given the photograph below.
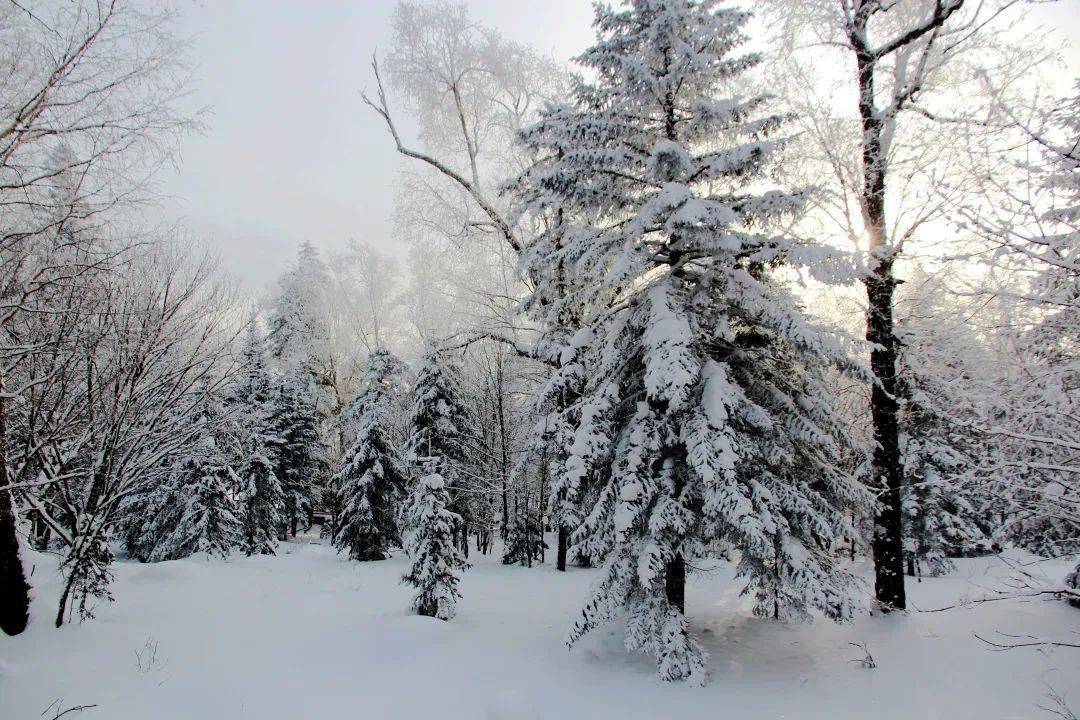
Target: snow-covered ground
x=309 y=634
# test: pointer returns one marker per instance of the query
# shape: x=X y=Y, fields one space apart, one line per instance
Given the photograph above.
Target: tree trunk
x=63 y=603
x=675 y=583
x=560 y=556
x=880 y=286
x=888 y=472
x=14 y=589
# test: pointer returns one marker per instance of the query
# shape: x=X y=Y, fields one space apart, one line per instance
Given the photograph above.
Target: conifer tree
x=208 y=520
x=945 y=512
x=295 y=448
x=703 y=415
x=429 y=542
x=263 y=504
x=373 y=476
x=523 y=539
x=191 y=506
x=942 y=518
x=251 y=387
x=261 y=498
x=436 y=429
x=298 y=341
x=150 y=513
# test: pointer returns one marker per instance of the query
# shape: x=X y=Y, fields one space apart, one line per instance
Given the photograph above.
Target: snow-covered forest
x=730 y=369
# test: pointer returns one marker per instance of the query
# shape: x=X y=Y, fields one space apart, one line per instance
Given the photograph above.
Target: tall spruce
x=298 y=341
x=208 y=519
x=430 y=543
x=944 y=515
x=296 y=448
x=190 y=505
x=262 y=500
x=703 y=414
x=261 y=497
x=373 y=475
x=437 y=430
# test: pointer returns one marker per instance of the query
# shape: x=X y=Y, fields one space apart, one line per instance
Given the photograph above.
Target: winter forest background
x=754 y=314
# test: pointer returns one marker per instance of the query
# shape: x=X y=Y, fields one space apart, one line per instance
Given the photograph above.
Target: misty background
x=289 y=153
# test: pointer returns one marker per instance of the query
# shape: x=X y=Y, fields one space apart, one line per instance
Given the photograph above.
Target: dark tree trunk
x=880 y=286
x=888 y=471
x=63 y=603
x=560 y=555
x=14 y=589
x=675 y=583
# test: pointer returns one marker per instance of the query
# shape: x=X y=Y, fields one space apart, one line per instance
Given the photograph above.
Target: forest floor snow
x=310 y=634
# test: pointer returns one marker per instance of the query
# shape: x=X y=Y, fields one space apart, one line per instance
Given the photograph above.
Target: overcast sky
x=290 y=153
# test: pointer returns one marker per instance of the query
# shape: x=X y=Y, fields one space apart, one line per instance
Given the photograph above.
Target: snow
x=311 y=634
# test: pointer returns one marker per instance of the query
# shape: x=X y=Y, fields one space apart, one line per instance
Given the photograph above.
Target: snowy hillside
x=310 y=634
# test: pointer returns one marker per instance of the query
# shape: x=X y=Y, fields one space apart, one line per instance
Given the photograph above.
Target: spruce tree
x=373 y=476
x=208 y=519
x=262 y=501
x=943 y=519
x=298 y=341
x=261 y=498
x=523 y=539
x=429 y=542
x=437 y=429
x=946 y=513
x=190 y=506
x=295 y=448
x=703 y=416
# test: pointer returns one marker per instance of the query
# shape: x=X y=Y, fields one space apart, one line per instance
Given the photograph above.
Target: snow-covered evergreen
x=295 y=447
x=703 y=413
x=262 y=500
x=373 y=474
x=208 y=520
x=191 y=506
x=297 y=339
x=438 y=417
x=947 y=512
x=943 y=519
x=430 y=544
x=524 y=540
x=437 y=426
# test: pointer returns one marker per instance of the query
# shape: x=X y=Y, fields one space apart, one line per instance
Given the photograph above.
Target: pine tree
x=190 y=506
x=262 y=501
x=373 y=476
x=555 y=403
x=208 y=519
x=251 y=386
x=436 y=429
x=298 y=328
x=429 y=542
x=946 y=513
x=942 y=518
x=261 y=498
x=523 y=539
x=298 y=341
x=295 y=448
x=704 y=416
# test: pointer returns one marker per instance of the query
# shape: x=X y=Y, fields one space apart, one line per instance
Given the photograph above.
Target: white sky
x=290 y=153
